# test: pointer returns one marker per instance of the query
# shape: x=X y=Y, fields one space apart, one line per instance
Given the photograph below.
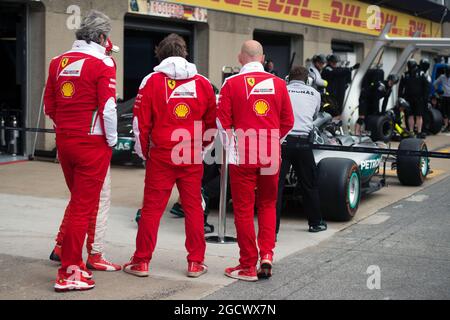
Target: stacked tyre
x=433 y=121
x=381 y=127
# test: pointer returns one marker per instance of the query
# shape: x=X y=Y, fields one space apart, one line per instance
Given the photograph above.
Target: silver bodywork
x=328 y=133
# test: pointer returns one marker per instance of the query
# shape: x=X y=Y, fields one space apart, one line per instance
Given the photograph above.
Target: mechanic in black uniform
x=414 y=87
x=269 y=67
x=338 y=79
x=424 y=67
x=297 y=151
x=369 y=99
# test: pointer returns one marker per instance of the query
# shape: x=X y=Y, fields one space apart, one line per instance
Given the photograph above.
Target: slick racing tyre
x=412 y=170
x=339 y=188
x=433 y=121
x=381 y=127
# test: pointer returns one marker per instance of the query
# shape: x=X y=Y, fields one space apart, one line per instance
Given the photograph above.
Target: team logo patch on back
x=67 y=89
x=181 y=110
x=171 y=83
x=261 y=107
x=64 y=62
x=259 y=86
x=71 y=70
x=180 y=89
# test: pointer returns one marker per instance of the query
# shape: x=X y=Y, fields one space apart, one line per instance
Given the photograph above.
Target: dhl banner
x=345 y=15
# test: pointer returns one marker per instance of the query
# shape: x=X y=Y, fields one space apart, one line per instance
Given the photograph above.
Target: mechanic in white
x=297 y=149
x=315 y=69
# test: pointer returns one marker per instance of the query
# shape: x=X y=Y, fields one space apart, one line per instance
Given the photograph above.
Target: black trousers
x=297 y=151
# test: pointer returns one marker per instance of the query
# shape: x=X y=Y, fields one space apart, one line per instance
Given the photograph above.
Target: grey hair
x=93 y=25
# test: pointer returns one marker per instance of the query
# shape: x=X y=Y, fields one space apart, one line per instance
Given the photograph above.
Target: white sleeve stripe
x=137 y=143
x=110 y=121
x=222 y=133
x=229 y=145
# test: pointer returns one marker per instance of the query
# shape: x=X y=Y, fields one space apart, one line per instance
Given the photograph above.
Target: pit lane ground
x=33 y=197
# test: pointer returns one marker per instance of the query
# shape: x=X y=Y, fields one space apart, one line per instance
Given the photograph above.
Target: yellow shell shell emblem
x=64 y=62
x=261 y=107
x=181 y=110
x=251 y=81
x=67 y=89
x=171 y=83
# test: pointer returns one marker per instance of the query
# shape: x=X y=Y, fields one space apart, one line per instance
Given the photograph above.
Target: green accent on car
x=124 y=145
x=369 y=170
x=424 y=165
x=353 y=190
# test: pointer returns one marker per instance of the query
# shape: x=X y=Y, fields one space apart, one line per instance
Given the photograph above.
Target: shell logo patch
x=64 y=62
x=181 y=111
x=251 y=81
x=67 y=89
x=261 y=107
x=171 y=83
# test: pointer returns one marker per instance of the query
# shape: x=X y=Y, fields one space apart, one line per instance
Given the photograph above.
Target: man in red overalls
x=174 y=107
x=256 y=113
x=80 y=99
x=95 y=242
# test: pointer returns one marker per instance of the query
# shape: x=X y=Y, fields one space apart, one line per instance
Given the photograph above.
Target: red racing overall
x=172 y=102
x=257 y=104
x=80 y=99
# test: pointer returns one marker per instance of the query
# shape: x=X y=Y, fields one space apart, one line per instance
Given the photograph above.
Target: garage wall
x=201 y=47
x=227 y=32
x=35 y=73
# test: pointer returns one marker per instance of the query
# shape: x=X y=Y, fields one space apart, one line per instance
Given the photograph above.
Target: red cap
x=110 y=47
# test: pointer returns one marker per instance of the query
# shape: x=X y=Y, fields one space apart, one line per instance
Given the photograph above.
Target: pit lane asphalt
x=409 y=241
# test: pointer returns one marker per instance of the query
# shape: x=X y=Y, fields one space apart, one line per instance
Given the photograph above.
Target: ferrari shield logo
x=171 y=83
x=251 y=81
x=64 y=62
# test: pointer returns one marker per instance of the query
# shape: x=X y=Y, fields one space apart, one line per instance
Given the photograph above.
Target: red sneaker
x=139 y=269
x=76 y=281
x=85 y=272
x=246 y=274
x=56 y=254
x=265 y=267
x=196 y=269
x=100 y=263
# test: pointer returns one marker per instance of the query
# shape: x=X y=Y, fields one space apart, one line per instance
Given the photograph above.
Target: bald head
x=251 y=51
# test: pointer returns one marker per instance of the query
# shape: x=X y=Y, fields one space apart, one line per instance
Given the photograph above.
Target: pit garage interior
x=22 y=57
x=141 y=37
x=13 y=81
